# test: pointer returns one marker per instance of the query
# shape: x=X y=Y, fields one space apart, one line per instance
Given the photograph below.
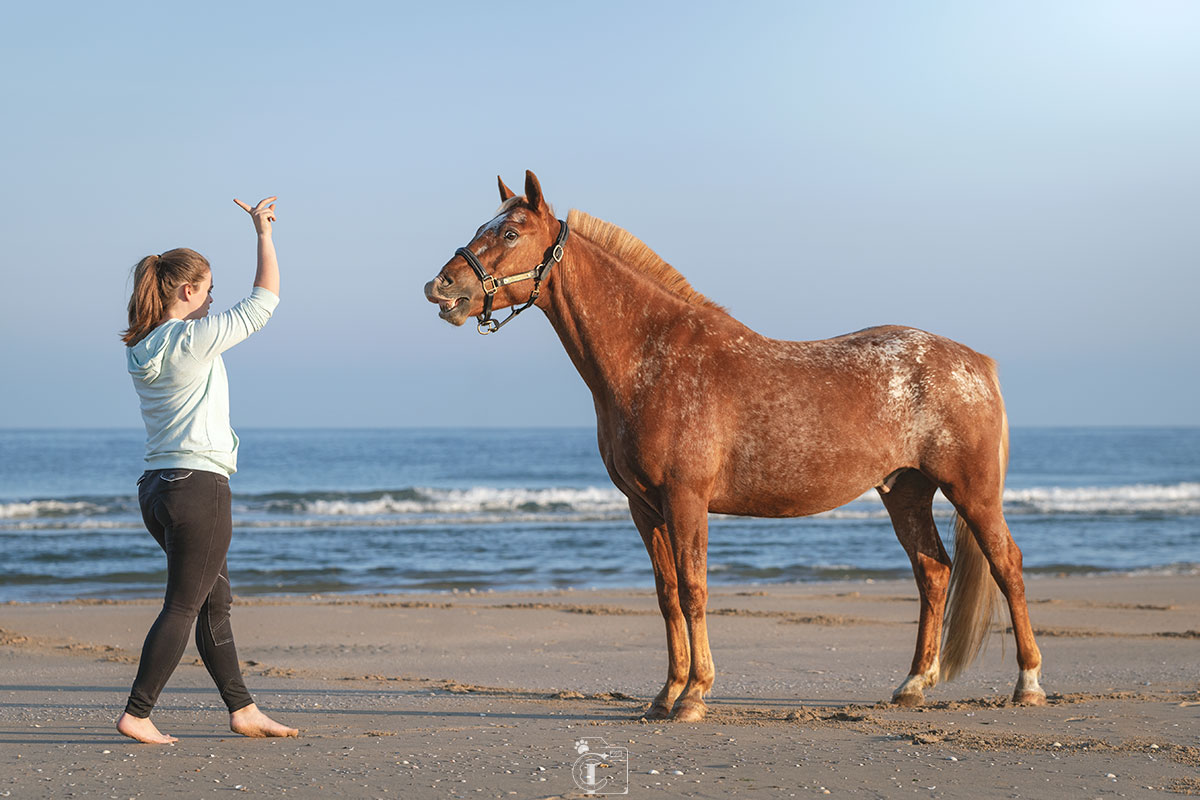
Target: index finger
x=264 y=201
x=243 y=206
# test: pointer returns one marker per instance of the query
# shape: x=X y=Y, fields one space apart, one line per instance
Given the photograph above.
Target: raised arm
x=263 y=214
x=212 y=335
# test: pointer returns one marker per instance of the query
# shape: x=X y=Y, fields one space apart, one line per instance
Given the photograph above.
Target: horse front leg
x=658 y=545
x=687 y=525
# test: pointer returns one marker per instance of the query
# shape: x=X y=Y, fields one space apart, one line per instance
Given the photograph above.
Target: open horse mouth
x=452 y=309
x=447 y=307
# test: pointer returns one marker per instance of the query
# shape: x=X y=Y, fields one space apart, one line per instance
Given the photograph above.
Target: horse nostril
x=445 y=279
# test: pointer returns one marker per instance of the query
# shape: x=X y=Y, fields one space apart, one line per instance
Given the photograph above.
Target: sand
x=486 y=695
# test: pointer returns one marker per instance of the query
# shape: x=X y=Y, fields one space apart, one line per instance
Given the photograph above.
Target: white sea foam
x=474 y=501
x=48 y=508
x=1179 y=499
x=1174 y=499
x=420 y=506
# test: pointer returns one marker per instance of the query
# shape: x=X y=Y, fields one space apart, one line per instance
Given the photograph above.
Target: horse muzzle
x=453 y=308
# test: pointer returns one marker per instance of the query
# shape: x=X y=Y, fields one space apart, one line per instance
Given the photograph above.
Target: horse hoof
x=657 y=712
x=1027 y=698
x=689 y=712
x=909 y=699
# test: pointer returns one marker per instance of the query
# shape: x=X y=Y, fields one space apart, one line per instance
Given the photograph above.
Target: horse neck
x=600 y=308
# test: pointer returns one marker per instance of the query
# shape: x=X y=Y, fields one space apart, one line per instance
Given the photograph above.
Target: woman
x=174 y=355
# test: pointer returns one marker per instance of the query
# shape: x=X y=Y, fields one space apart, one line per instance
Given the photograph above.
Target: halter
x=490 y=285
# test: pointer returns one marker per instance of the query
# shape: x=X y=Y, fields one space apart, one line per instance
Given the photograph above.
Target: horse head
x=517 y=245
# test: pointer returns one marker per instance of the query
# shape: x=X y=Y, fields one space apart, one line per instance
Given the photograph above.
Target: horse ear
x=505 y=192
x=533 y=190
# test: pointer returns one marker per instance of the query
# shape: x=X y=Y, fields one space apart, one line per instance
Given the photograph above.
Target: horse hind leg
x=993 y=538
x=658 y=545
x=909 y=502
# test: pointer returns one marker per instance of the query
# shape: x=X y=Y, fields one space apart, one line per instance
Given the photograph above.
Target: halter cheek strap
x=491 y=284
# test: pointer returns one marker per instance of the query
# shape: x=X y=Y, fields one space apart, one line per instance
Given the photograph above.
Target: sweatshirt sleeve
x=211 y=336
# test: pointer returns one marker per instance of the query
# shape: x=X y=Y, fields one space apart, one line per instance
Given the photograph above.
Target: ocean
x=439 y=510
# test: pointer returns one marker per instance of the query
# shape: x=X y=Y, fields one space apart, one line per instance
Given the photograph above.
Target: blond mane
x=632 y=251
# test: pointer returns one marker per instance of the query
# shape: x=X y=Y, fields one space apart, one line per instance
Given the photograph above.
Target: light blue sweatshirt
x=180 y=379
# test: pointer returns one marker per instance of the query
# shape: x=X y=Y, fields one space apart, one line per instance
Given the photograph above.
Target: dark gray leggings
x=188 y=514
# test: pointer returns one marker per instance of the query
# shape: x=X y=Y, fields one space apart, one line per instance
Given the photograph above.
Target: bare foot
x=143 y=730
x=249 y=721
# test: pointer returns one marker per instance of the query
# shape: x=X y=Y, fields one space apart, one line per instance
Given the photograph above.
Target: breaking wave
x=483 y=503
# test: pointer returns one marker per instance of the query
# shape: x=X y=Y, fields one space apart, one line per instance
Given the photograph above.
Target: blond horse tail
x=971 y=605
x=974 y=599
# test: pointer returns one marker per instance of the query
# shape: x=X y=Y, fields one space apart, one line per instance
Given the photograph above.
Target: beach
x=487 y=694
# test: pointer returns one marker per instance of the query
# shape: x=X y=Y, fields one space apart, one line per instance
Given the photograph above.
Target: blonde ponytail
x=155 y=279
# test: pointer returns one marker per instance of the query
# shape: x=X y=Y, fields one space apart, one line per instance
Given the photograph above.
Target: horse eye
x=510 y=236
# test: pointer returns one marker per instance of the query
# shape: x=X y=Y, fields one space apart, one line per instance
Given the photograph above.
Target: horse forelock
x=632 y=251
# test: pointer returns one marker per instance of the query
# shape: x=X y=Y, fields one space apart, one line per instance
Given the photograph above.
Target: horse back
x=768 y=427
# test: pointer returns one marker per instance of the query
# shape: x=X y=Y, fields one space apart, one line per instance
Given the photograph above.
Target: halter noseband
x=490 y=285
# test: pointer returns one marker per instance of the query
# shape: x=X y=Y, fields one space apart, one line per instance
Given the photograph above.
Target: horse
x=697 y=413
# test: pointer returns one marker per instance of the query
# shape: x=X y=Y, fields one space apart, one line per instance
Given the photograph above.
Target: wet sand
x=486 y=695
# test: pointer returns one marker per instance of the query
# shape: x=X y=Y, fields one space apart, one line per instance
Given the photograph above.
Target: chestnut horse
x=696 y=413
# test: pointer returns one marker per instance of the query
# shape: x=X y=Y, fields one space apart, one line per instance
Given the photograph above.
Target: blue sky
x=1023 y=177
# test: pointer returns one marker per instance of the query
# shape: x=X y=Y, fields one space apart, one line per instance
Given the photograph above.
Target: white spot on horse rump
x=969 y=385
x=946 y=438
x=899 y=386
